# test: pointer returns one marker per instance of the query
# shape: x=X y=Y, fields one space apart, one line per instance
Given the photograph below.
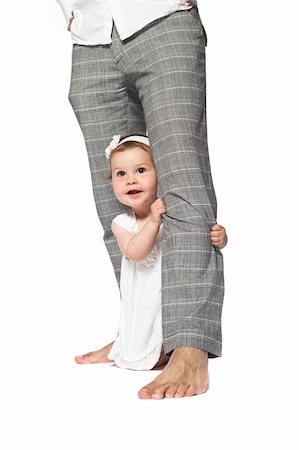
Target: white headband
x=116 y=142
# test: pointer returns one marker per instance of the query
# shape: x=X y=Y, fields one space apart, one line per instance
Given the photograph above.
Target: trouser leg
x=168 y=62
x=103 y=106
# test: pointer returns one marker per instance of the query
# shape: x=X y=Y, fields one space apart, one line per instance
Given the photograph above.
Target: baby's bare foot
x=186 y=374
x=98 y=356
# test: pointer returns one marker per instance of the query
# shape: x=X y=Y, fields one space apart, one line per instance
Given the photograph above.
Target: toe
x=79 y=359
x=159 y=392
x=170 y=392
x=146 y=391
x=181 y=390
x=83 y=358
x=190 y=391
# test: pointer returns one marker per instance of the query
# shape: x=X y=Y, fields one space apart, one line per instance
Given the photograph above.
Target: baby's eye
x=120 y=173
x=141 y=169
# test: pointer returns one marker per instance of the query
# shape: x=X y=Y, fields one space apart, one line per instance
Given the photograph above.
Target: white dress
x=139 y=341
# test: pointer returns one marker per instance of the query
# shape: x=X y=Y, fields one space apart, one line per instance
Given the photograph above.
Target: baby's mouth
x=133 y=191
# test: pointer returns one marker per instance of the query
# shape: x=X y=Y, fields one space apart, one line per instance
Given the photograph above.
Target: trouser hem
x=213 y=348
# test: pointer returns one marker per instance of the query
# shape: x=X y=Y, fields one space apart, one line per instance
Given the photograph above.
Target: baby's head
x=132 y=170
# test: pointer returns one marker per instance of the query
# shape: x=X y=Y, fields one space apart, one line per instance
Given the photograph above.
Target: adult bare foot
x=186 y=374
x=98 y=356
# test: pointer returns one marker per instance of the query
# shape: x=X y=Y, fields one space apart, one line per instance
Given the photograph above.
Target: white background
x=62 y=299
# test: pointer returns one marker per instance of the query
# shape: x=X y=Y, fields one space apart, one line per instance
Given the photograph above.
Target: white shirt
x=139 y=341
x=93 y=19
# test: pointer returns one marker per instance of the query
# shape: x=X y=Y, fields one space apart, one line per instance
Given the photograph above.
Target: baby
x=139 y=233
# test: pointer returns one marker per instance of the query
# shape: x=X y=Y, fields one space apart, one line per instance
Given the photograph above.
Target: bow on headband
x=116 y=142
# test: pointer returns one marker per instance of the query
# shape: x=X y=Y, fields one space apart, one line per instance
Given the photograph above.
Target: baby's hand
x=218 y=236
x=157 y=208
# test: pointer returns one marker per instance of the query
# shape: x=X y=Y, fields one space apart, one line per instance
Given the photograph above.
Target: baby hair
x=127 y=146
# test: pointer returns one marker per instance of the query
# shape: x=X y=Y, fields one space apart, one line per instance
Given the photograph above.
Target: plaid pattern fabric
x=155 y=81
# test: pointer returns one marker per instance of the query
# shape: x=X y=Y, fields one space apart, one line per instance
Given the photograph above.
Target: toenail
x=157 y=396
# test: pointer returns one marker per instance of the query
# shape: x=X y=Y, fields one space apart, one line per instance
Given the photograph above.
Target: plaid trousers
x=155 y=80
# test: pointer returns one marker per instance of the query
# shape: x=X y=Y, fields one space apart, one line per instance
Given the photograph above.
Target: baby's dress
x=139 y=341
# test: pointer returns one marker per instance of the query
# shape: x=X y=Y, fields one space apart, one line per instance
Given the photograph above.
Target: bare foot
x=98 y=356
x=186 y=374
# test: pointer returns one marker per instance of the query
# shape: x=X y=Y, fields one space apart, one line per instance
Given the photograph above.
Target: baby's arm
x=138 y=246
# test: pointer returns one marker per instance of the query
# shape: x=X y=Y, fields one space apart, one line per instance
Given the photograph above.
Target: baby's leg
x=98 y=356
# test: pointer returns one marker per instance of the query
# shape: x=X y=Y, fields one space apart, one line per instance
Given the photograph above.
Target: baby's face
x=134 y=177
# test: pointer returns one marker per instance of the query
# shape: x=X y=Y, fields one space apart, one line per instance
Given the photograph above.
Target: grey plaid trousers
x=155 y=81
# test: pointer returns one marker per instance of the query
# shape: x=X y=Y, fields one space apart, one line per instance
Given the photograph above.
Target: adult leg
x=169 y=68
x=104 y=106
x=192 y=269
